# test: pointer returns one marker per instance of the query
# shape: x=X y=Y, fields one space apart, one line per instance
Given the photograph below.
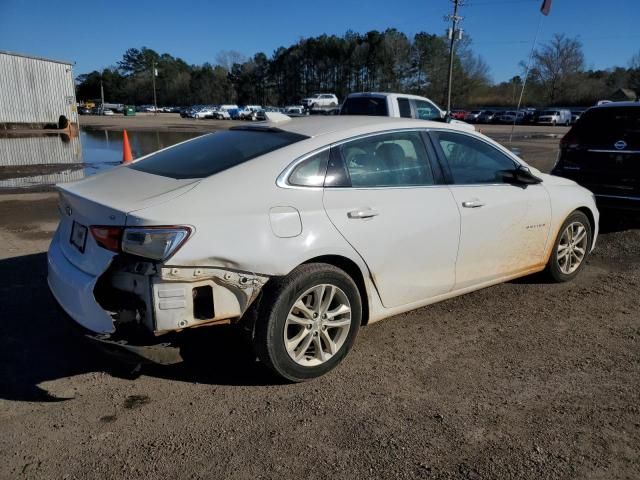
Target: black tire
x=276 y=302
x=553 y=270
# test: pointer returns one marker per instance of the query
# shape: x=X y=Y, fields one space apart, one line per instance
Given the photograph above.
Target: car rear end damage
x=126 y=301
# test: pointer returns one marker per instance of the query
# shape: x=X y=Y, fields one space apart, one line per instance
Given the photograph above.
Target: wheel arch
x=592 y=220
x=352 y=269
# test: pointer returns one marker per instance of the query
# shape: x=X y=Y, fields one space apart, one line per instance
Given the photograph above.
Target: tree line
x=353 y=62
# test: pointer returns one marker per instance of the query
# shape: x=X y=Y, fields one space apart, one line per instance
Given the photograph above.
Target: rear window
x=610 y=124
x=213 y=153
x=365 y=106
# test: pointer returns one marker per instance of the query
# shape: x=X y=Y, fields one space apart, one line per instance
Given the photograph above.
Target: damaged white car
x=303 y=230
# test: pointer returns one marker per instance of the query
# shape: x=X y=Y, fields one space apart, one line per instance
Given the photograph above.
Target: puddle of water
x=43 y=160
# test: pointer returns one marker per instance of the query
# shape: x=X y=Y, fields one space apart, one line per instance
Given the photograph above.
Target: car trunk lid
x=106 y=200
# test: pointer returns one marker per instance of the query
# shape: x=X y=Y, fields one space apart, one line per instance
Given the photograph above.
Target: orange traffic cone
x=126 y=148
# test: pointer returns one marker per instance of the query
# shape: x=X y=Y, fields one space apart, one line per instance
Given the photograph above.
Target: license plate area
x=78 y=236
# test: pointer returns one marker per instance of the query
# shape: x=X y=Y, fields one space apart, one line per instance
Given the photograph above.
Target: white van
x=555 y=117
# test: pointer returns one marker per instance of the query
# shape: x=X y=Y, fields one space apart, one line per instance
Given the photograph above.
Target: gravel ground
x=526 y=380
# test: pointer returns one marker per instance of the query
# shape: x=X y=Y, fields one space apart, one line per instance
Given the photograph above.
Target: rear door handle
x=362 y=213
x=473 y=204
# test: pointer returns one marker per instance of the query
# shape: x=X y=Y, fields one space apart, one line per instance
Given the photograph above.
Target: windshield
x=213 y=153
x=550 y=112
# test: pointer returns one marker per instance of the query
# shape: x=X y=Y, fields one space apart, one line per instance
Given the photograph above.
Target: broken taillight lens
x=107 y=237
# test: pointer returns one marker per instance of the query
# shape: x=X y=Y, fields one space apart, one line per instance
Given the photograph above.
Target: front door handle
x=362 y=213
x=473 y=204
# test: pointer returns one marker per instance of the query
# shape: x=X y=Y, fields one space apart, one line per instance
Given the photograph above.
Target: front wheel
x=307 y=322
x=571 y=248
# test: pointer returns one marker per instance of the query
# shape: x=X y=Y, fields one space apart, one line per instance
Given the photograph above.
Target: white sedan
x=303 y=230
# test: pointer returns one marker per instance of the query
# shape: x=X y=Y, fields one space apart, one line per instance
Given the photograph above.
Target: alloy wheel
x=572 y=247
x=317 y=325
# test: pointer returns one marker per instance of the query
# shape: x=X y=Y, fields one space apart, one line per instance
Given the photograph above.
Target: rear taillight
x=156 y=243
x=107 y=237
x=570 y=140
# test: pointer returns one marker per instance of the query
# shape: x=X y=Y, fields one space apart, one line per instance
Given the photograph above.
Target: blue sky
x=95 y=33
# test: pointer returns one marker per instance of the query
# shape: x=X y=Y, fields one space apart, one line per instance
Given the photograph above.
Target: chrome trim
x=478 y=136
x=612 y=151
x=282 y=180
x=620 y=197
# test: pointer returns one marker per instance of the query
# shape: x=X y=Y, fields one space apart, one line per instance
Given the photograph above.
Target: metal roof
x=15 y=54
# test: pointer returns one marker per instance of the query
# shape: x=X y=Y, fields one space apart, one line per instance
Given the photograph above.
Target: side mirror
x=521 y=176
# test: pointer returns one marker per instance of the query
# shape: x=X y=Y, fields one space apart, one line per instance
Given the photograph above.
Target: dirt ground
x=526 y=380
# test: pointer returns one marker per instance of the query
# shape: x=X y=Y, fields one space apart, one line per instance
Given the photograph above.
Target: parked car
x=84 y=111
x=325 y=243
x=497 y=116
x=555 y=117
x=295 y=110
x=320 y=100
x=602 y=153
x=472 y=116
x=575 y=116
x=107 y=111
x=459 y=114
x=512 y=116
x=220 y=114
x=486 y=116
x=204 y=112
x=396 y=105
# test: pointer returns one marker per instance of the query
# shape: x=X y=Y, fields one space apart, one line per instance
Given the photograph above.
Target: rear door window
x=213 y=153
x=405 y=107
x=376 y=106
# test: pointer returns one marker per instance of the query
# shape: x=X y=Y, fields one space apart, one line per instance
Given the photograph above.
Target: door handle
x=473 y=204
x=362 y=213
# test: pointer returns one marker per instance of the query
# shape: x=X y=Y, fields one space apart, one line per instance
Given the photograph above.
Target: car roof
x=617 y=104
x=317 y=125
x=387 y=94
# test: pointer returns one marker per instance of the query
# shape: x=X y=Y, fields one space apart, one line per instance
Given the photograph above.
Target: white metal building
x=35 y=91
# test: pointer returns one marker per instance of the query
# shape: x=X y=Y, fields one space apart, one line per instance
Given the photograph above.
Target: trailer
x=36 y=92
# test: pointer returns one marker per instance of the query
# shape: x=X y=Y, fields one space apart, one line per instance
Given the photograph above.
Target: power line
x=496 y=2
x=601 y=37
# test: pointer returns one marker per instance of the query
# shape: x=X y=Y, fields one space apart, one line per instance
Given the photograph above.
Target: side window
x=391 y=159
x=473 y=161
x=405 y=107
x=310 y=172
x=426 y=110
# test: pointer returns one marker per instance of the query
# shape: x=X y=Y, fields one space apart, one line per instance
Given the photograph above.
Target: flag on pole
x=546 y=7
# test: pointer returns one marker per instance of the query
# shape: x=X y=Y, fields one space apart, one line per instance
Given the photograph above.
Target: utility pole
x=454 y=34
x=101 y=96
x=153 y=78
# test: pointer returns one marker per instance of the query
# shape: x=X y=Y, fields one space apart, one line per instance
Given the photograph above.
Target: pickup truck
x=396 y=105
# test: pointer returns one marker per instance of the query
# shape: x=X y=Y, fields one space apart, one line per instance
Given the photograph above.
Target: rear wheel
x=307 y=322
x=571 y=248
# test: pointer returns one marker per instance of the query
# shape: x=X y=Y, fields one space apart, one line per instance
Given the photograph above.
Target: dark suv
x=602 y=153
